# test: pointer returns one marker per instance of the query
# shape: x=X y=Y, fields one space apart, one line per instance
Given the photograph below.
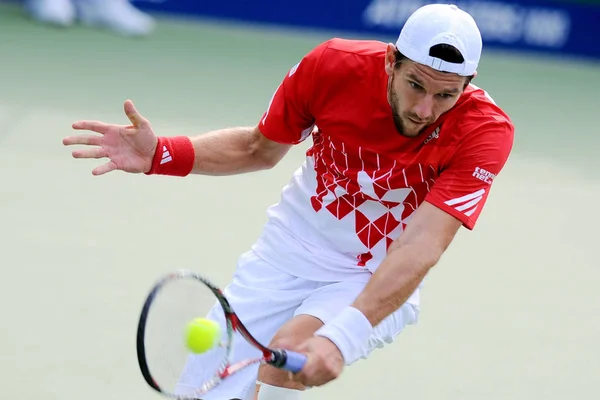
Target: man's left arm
x=408 y=260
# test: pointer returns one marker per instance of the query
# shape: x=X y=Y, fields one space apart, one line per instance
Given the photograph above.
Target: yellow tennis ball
x=202 y=335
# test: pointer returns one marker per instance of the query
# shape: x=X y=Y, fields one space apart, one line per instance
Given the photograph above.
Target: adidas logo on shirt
x=434 y=135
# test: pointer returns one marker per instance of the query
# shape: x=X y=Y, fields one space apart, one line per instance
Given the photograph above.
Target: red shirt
x=363 y=169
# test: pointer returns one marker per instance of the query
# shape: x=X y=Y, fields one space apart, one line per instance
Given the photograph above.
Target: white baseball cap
x=435 y=24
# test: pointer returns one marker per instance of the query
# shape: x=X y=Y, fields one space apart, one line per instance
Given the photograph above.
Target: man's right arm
x=135 y=148
x=237 y=150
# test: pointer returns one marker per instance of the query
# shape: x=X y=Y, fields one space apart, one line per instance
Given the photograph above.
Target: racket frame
x=274 y=357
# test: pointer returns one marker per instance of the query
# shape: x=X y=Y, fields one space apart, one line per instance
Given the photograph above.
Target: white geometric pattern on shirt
x=377 y=192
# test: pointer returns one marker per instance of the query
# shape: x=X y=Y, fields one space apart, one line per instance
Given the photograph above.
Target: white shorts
x=265 y=298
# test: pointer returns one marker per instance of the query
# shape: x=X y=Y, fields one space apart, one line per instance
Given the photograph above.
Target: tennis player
x=404 y=152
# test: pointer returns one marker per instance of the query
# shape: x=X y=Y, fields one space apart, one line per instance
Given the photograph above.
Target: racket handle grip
x=294 y=362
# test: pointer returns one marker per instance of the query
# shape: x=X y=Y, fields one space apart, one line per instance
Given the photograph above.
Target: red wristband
x=174 y=156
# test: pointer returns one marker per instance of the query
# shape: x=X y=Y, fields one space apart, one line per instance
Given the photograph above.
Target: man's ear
x=390 y=59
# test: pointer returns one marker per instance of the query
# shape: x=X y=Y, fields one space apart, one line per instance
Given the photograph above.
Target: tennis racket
x=165 y=362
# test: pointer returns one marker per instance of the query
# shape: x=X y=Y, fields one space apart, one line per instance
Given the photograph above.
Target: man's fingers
x=94 y=126
x=303 y=379
x=94 y=152
x=134 y=116
x=104 y=168
x=90 y=140
x=295 y=377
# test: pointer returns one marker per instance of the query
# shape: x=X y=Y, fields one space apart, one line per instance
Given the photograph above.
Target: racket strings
x=174 y=368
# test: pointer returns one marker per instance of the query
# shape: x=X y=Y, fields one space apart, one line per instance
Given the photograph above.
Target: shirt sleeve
x=288 y=118
x=464 y=185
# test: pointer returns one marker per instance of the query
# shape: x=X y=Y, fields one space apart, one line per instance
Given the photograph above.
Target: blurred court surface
x=511 y=312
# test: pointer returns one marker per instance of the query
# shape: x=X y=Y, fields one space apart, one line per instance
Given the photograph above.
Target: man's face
x=419 y=94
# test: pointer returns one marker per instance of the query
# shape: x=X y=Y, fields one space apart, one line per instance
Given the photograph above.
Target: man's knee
x=286 y=342
x=295 y=332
